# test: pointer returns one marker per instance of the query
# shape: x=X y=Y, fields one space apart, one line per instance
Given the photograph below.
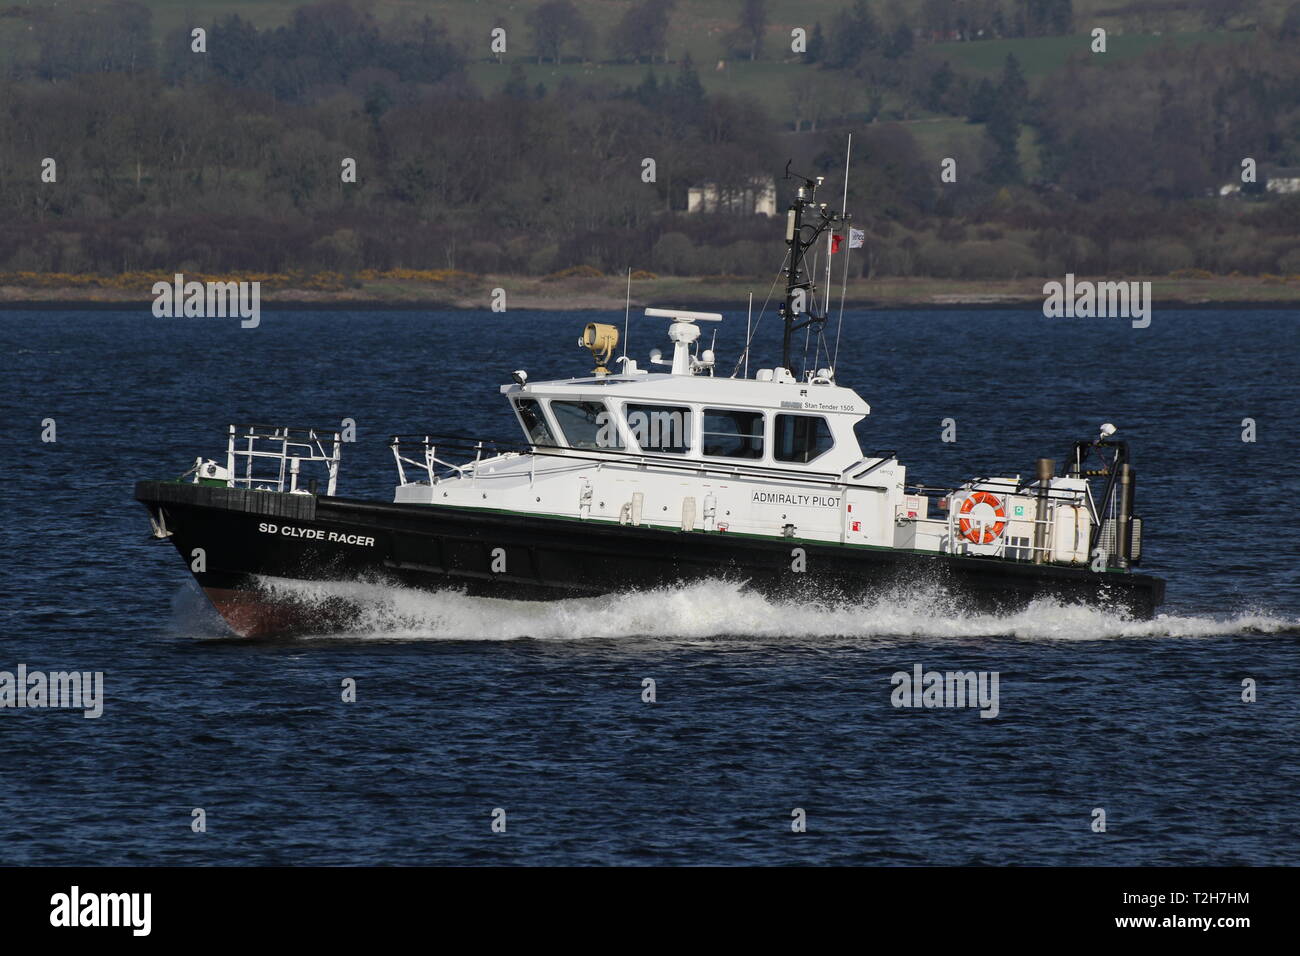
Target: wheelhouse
x=732 y=422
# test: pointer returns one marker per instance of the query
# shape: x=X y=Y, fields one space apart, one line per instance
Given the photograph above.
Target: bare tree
x=642 y=33
x=555 y=26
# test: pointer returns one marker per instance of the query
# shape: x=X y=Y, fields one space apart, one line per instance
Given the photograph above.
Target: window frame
x=776 y=440
x=542 y=414
x=688 y=432
x=568 y=443
x=762 y=438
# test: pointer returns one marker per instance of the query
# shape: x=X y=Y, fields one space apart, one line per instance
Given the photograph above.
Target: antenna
x=744 y=355
x=848 y=248
x=848 y=157
x=830 y=242
x=749 y=318
x=627 y=310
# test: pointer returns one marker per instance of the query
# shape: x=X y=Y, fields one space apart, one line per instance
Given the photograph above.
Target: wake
x=710 y=609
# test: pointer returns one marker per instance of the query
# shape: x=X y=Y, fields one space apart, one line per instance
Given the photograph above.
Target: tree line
x=232 y=160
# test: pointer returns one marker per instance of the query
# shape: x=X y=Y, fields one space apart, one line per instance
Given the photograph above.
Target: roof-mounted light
x=599 y=339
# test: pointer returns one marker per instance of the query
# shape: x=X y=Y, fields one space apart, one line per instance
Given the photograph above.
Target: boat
x=635 y=478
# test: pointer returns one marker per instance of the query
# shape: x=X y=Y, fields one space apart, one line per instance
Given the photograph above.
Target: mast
x=806 y=220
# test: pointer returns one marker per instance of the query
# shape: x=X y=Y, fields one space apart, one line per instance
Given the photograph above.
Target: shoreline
x=76 y=305
x=713 y=293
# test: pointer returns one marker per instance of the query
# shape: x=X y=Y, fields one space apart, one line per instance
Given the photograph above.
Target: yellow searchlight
x=600 y=339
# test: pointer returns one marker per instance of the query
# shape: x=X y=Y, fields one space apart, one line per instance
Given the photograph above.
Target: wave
x=714 y=609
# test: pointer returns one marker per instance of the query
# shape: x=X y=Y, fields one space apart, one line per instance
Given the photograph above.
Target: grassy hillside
x=698 y=26
x=230 y=161
x=1040 y=57
x=696 y=22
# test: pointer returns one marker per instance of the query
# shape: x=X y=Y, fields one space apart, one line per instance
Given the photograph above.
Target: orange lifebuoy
x=981 y=533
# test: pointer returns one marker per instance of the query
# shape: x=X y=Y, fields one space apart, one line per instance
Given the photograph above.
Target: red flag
x=835 y=243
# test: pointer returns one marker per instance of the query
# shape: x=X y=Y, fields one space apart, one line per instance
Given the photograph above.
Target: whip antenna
x=844 y=285
x=749 y=318
x=627 y=312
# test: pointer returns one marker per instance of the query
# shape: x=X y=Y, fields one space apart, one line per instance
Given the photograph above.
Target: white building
x=757 y=197
x=1276 y=180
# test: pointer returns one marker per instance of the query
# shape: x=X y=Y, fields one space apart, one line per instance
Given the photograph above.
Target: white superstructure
x=770 y=456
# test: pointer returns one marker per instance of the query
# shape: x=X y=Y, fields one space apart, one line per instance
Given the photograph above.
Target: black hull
x=243 y=536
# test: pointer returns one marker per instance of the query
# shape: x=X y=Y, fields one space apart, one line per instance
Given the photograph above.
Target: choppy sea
x=465 y=707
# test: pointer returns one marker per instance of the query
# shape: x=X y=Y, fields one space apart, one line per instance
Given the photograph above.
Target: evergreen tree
x=647 y=94
x=1289 y=28
x=1061 y=17
x=1013 y=91
x=516 y=86
x=982 y=102
x=1003 y=130
x=816 y=44
x=855 y=33
x=941 y=81
x=688 y=91
x=899 y=42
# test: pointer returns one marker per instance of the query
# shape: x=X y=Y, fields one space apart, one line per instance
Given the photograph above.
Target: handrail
x=1054 y=494
x=432 y=443
x=311 y=429
x=612 y=456
x=292 y=441
x=885 y=458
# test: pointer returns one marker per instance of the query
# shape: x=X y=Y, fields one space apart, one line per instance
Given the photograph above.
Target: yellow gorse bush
x=575 y=272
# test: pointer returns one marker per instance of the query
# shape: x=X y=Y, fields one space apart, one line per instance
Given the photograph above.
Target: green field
x=766 y=79
x=1042 y=56
x=696 y=23
x=699 y=26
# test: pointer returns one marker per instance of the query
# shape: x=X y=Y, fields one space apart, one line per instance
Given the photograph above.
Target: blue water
x=467 y=705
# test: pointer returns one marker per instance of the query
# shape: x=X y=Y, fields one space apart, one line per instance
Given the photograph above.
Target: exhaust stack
x=1046 y=470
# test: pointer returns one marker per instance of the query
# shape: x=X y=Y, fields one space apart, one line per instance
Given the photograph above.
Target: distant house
x=1276 y=179
x=1284 y=180
x=755 y=198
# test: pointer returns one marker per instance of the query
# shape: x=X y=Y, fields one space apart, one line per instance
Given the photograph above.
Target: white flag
x=857 y=237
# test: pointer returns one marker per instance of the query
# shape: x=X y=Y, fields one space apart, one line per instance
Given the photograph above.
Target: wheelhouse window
x=731 y=433
x=801 y=438
x=534 y=422
x=586 y=424
x=660 y=429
